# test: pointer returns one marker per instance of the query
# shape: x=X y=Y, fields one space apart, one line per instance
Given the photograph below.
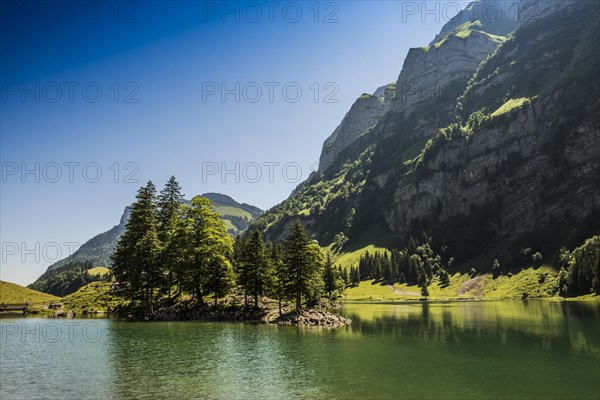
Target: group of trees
x=295 y=270
x=417 y=264
x=169 y=245
x=580 y=269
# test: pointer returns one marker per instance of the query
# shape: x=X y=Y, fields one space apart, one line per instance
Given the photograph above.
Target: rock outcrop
x=440 y=73
x=313 y=318
x=363 y=115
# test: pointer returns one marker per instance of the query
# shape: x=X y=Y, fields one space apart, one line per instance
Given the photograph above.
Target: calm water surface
x=501 y=350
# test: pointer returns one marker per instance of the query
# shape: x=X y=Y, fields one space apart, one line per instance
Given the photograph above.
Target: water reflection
x=527 y=322
x=508 y=350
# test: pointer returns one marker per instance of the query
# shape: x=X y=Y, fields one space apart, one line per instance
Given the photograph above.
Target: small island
x=176 y=261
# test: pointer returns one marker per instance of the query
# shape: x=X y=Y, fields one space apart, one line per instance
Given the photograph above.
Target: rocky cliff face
x=503 y=166
x=530 y=167
x=496 y=17
x=436 y=74
x=440 y=72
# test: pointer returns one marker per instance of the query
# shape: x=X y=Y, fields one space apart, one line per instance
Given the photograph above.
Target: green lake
x=456 y=350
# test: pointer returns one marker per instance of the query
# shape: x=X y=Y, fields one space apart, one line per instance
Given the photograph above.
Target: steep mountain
x=490 y=143
x=98 y=249
x=432 y=78
x=363 y=115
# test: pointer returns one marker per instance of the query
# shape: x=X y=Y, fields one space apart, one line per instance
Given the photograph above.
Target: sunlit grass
x=531 y=283
x=233 y=211
x=98 y=271
x=373 y=291
x=11 y=293
x=350 y=259
x=93 y=297
x=510 y=105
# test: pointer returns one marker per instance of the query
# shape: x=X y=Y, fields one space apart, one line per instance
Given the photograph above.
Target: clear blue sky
x=161 y=59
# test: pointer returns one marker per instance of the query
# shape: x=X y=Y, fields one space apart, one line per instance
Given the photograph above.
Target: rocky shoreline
x=267 y=313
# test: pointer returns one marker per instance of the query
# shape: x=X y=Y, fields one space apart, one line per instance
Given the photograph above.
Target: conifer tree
x=329 y=276
x=303 y=265
x=207 y=250
x=280 y=282
x=136 y=257
x=169 y=202
x=256 y=267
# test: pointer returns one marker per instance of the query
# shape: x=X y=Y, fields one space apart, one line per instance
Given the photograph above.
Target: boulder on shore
x=312 y=318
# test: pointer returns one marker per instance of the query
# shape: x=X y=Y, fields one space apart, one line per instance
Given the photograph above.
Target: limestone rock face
x=505 y=162
x=440 y=73
x=497 y=17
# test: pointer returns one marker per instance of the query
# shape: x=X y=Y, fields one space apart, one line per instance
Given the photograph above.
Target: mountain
x=98 y=249
x=489 y=141
x=237 y=216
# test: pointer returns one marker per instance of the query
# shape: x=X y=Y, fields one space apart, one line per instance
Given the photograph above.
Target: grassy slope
x=98 y=271
x=510 y=105
x=11 y=293
x=539 y=282
x=92 y=297
x=351 y=259
x=234 y=211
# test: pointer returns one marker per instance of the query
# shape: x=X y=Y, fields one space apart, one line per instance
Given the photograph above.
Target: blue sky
x=126 y=93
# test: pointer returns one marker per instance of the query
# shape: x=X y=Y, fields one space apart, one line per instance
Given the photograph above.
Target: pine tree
x=345 y=275
x=240 y=256
x=355 y=276
x=207 y=249
x=496 y=270
x=169 y=202
x=387 y=273
x=395 y=261
x=257 y=267
x=423 y=282
x=444 y=278
x=365 y=266
x=303 y=261
x=415 y=266
x=377 y=274
x=136 y=258
x=329 y=276
x=424 y=291
x=280 y=280
x=412 y=246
